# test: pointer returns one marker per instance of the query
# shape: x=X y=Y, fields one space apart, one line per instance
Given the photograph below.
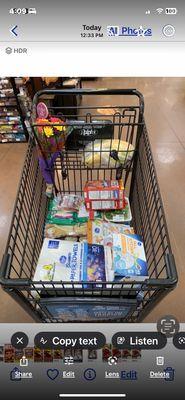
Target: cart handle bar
x=7 y=282
x=109 y=92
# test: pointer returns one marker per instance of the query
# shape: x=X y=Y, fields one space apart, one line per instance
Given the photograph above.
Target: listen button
x=139 y=340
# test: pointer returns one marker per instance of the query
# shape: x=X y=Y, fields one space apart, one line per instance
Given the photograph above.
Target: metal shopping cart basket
x=100 y=117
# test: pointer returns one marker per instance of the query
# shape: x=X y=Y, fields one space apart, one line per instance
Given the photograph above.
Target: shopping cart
x=129 y=301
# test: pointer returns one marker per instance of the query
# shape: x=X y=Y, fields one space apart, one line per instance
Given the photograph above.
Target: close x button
x=139 y=340
x=19 y=340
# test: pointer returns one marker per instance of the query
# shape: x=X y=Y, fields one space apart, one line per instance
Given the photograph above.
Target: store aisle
x=11 y=163
x=165 y=119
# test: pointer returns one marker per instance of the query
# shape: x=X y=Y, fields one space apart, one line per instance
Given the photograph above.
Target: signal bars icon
x=157 y=11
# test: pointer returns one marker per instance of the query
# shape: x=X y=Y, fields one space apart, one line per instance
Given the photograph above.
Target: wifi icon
x=159 y=10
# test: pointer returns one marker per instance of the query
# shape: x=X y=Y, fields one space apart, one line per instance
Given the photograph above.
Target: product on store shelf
x=4 y=112
x=9 y=102
x=11 y=128
x=12 y=137
x=104 y=195
x=108 y=153
x=10 y=120
x=69 y=261
x=20 y=137
x=129 y=260
x=119 y=216
x=101 y=232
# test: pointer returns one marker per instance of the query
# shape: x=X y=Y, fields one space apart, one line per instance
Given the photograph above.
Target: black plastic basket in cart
x=100 y=118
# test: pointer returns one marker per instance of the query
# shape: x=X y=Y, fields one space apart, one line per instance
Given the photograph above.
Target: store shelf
x=12 y=118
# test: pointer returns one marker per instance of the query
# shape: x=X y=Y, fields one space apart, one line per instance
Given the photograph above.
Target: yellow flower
x=60 y=128
x=48 y=131
x=48 y=267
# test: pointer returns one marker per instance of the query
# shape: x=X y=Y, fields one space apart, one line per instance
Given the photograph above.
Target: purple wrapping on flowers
x=46 y=166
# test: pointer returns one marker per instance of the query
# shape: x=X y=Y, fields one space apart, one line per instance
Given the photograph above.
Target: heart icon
x=52 y=373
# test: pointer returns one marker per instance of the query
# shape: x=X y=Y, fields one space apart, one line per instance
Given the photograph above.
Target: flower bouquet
x=51 y=135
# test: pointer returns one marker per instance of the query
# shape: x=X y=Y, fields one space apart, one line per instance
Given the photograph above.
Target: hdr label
x=17 y=50
x=20 y=50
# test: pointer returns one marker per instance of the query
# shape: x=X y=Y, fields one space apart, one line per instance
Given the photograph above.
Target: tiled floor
x=165 y=119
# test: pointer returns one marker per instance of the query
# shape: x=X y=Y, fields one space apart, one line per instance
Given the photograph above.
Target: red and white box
x=104 y=195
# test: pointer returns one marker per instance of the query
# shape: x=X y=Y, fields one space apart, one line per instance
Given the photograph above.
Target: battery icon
x=32 y=11
x=171 y=11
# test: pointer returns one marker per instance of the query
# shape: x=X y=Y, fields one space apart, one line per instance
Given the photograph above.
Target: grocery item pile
x=90 y=238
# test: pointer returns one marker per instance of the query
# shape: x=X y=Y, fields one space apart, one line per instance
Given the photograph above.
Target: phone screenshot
x=92 y=199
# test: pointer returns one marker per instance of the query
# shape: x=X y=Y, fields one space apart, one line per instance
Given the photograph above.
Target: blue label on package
x=88 y=312
x=85 y=313
x=53 y=244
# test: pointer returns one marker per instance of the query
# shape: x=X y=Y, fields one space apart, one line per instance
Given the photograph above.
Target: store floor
x=165 y=119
